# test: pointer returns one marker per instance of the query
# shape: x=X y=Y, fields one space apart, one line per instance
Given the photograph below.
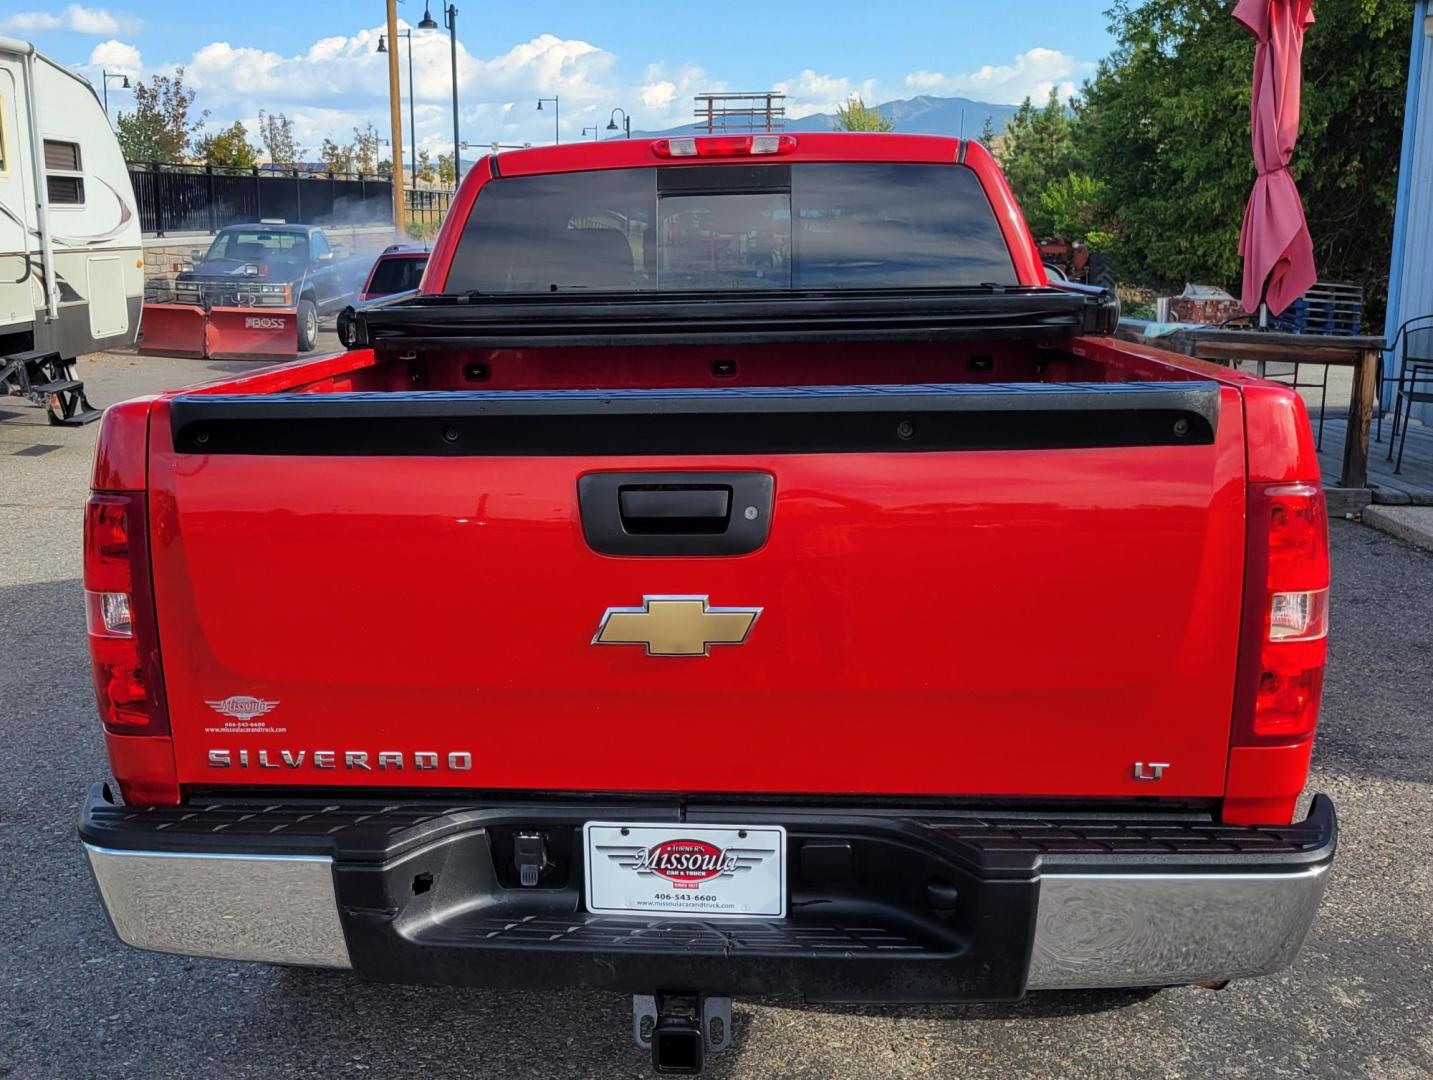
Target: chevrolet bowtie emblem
x=675 y=625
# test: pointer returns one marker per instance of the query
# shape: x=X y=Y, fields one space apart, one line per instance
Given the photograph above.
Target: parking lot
x=76 y=1003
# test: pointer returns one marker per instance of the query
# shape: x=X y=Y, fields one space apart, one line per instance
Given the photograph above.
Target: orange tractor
x=1073 y=260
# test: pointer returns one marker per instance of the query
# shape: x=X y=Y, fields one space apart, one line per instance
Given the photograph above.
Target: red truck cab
x=737 y=571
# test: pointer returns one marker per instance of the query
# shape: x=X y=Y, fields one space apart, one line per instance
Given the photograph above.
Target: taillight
x=724 y=145
x=1284 y=643
x=1293 y=623
x=123 y=636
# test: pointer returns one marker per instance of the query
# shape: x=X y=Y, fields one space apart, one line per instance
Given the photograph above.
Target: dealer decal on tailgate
x=674 y=869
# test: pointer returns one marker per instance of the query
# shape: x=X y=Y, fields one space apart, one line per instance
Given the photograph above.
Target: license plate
x=702 y=870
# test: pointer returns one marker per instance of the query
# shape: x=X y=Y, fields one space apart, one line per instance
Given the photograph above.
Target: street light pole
x=556 y=117
x=450 y=20
x=626 y=121
x=395 y=115
x=412 y=92
x=107 y=77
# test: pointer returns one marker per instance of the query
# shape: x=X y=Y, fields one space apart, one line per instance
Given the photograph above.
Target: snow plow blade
x=172 y=330
x=240 y=333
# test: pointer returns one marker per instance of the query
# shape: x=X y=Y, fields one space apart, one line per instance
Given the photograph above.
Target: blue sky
x=315 y=61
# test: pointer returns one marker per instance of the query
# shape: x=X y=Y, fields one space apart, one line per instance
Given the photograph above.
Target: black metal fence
x=206 y=198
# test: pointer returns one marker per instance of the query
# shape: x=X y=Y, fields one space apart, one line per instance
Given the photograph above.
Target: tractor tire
x=1102 y=271
x=308 y=326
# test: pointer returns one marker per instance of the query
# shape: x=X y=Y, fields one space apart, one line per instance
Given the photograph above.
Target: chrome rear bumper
x=1116 y=920
x=1108 y=930
x=276 y=908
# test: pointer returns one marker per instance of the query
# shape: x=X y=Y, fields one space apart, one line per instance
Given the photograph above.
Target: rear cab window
x=396 y=273
x=805 y=226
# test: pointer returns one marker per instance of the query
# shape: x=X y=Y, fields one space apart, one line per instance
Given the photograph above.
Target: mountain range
x=921 y=115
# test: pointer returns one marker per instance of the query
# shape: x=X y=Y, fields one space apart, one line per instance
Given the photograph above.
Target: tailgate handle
x=663 y=509
x=675 y=513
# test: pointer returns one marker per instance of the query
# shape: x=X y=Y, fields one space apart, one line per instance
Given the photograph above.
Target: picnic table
x=1362 y=352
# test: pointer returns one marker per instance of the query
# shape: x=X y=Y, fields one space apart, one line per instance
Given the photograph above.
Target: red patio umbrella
x=1275 y=241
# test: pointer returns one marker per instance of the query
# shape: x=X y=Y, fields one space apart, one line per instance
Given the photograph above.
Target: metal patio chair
x=1414 y=378
x=1329 y=307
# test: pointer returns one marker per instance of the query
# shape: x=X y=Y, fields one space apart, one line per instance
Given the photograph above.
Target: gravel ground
x=76 y=1003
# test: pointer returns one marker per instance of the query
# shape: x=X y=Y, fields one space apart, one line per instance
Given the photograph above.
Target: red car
x=737 y=571
x=398 y=269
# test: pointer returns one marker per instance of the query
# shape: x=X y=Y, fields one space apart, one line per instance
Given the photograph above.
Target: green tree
x=987 y=132
x=365 y=149
x=1076 y=206
x=276 y=132
x=446 y=175
x=336 y=158
x=163 y=124
x=230 y=147
x=856 y=116
x=1037 y=150
x=425 y=171
x=1164 y=128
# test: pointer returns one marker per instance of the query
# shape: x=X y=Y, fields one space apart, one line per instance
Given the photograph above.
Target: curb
x=1411 y=524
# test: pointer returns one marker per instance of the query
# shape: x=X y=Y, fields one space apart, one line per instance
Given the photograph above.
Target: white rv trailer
x=71 y=258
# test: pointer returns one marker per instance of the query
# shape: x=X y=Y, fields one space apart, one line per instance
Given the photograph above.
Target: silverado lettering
x=457 y=761
x=1042 y=614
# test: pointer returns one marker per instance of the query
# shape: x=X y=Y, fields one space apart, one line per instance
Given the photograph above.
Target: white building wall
x=1410 y=285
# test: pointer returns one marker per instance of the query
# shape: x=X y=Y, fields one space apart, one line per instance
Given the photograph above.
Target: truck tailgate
x=1013 y=620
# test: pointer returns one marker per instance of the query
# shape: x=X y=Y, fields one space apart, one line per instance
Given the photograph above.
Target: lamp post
x=450 y=20
x=412 y=93
x=592 y=129
x=556 y=117
x=395 y=117
x=123 y=86
x=626 y=121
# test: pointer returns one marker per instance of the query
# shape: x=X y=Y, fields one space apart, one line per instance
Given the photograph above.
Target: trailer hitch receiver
x=678 y=1029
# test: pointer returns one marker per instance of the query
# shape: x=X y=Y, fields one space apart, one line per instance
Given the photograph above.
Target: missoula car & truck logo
x=687 y=863
x=242 y=706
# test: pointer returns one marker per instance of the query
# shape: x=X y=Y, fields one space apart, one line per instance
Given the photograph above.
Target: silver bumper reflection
x=1092 y=930
x=1109 y=930
x=277 y=908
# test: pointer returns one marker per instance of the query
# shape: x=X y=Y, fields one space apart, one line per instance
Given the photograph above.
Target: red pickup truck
x=737 y=571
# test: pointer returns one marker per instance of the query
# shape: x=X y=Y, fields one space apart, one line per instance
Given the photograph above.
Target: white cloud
x=1032 y=74
x=75 y=18
x=117 y=57
x=332 y=84
x=811 y=93
x=341 y=80
x=664 y=98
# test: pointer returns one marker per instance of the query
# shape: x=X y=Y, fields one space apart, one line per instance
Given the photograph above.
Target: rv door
x=17 y=307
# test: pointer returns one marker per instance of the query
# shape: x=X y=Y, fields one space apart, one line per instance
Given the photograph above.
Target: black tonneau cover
x=988 y=313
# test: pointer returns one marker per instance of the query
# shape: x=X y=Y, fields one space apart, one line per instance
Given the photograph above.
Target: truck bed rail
x=778 y=420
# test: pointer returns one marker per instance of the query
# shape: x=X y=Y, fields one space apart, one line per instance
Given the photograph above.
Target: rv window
x=62 y=155
x=63 y=182
x=65 y=190
x=4 y=150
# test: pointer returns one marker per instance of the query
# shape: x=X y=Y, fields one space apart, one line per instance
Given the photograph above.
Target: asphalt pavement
x=74 y=1002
